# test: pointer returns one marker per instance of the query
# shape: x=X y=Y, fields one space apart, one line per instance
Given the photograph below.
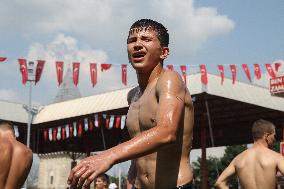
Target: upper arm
x=222 y=181
x=171 y=96
x=280 y=164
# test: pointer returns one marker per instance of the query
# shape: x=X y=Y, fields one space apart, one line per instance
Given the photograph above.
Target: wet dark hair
x=104 y=177
x=260 y=127
x=162 y=32
x=6 y=125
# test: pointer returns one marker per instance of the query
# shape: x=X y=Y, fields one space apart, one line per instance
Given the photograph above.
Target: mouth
x=138 y=56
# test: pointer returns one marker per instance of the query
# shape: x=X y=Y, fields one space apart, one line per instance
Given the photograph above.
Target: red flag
x=170 y=67
x=76 y=68
x=39 y=68
x=257 y=71
x=246 y=70
x=107 y=121
x=54 y=133
x=117 y=121
x=45 y=135
x=183 y=70
x=234 y=72
x=277 y=66
x=203 y=72
x=124 y=73
x=270 y=71
x=71 y=134
x=105 y=67
x=80 y=129
x=222 y=74
x=63 y=133
x=24 y=70
x=91 y=124
x=59 y=71
x=93 y=70
x=2 y=59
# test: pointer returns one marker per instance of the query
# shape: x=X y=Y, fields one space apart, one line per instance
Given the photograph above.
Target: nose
x=138 y=46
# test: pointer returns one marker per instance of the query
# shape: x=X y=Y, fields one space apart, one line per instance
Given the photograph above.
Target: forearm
x=145 y=143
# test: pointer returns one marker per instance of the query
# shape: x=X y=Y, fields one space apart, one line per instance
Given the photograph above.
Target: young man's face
x=144 y=49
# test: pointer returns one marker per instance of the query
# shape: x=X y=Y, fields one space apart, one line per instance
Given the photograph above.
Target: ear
x=165 y=53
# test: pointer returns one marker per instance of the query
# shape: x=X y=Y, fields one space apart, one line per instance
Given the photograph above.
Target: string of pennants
x=59 y=66
x=77 y=128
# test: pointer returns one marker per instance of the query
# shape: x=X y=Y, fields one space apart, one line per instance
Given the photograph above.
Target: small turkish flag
x=234 y=72
x=59 y=71
x=124 y=73
x=54 y=133
x=63 y=133
x=2 y=59
x=45 y=135
x=183 y=70
x=257 y=71
x=222 y=74
x=170 y=67
x=246 y=70
x=203 y=72
x=105 y=67
x=94 y=75
x=76 y=69
x=39 y=68
x=270 y=71
x=117 y=121
x=277 y=66
x=24 y=70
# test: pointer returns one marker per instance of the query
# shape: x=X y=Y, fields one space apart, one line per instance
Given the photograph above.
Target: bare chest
x=142 y=113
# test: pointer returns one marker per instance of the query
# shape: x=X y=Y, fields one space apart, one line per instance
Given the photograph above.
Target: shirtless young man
x=15 y=158
x=159 y=119
x=256 y=167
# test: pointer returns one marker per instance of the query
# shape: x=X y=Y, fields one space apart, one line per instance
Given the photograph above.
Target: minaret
x=67 y=89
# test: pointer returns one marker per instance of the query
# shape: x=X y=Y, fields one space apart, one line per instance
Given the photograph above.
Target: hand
x=88 y=169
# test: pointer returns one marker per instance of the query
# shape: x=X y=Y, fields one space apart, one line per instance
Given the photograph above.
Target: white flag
x=122 y=123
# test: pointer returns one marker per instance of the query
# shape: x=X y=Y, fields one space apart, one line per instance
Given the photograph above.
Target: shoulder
x=171 y=79
x=23 y=151
x=131 y=94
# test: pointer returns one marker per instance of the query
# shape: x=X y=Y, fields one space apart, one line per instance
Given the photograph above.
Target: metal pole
x=211 y=132
x=29 y=113
x=103 y=137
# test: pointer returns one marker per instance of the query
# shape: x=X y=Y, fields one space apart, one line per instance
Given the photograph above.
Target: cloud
x=9 y=95
x=104 y=24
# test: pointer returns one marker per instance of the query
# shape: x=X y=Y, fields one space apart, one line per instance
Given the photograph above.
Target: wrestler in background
x=257 y=166
x=15 y=158
x=159 y=119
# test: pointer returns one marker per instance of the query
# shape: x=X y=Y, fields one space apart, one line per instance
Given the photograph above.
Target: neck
x=260 y=143
x=144 y=78
x=7 y=134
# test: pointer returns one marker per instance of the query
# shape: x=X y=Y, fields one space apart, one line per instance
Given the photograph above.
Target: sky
x=209 y=32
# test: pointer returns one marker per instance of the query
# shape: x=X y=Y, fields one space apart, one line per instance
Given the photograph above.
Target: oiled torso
x=169 y=165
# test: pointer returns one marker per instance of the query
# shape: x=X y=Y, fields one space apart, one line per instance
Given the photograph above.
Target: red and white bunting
x=222 y=74
x=76 y=69
x=234 y=72
x=94 y=75
x=111 y=122
x=203 y=72
x=39 y=68
x=277 y=66
x=45 y=135
x=106 y=117
x=183 y=71
x=105 y=67
x=2 y=59
x=117 y=121
x=122 y=122
x=170 y=67
x=74 y=129
x=257 y=71
x=246 y=70
x=80 y=128
x=270 y=71
x=23 y=70
x=71 y=130
x=124 y=73
x=59 y=65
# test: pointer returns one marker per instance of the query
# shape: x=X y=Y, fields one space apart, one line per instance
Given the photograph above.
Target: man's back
x=257 y=167
x=15 y=163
